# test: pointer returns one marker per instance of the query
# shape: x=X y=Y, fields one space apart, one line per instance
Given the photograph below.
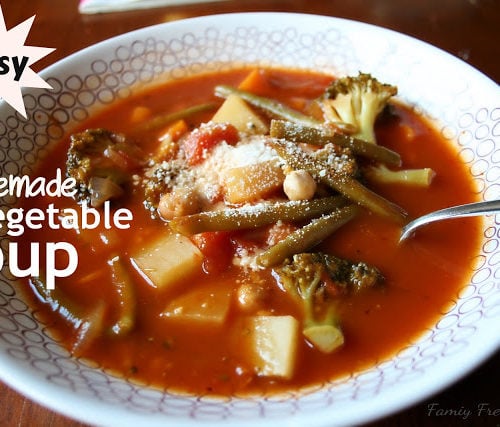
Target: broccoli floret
x=101 y=162
x=314 y=280
x=356 y=101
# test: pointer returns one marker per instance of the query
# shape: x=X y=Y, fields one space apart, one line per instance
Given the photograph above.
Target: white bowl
x=462 y=101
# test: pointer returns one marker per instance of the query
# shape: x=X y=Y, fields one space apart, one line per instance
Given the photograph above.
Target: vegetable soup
x=263 y=252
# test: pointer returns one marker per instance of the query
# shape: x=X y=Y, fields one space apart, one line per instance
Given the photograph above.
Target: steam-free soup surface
x=422 y=276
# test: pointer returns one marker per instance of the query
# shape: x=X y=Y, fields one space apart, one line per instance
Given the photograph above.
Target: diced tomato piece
x=201 y=140
x=217 y=249
x=246 y=244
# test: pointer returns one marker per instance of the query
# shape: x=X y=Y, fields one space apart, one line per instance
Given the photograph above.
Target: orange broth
x=423 y=275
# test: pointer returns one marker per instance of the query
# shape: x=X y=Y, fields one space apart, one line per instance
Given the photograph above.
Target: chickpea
x=181 y=201
x=299 y=185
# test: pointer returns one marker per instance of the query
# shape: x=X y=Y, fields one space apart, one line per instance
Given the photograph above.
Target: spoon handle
x=471 y=209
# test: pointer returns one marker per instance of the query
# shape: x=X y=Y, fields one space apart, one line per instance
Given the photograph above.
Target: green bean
x=306 y=237
x=87 y=324
x=254 y=216
x=164 y=119
x=269 y=105
x=124 y=287
x=70 y=310
x=90 y=329
x=299 y=133
x=348 y=186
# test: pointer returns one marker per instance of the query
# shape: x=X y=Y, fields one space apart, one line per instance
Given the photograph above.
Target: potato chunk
x=168 y=259
x=253 y=182
x=208 y=306
x=236 y=111
x=274 y=341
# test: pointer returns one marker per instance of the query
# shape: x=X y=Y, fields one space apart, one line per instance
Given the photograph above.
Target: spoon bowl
x=470 y=209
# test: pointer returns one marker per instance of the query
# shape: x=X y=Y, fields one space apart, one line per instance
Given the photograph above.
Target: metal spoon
x=471 y=209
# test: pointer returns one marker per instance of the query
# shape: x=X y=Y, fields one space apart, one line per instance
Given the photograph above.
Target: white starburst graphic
x=15 y=62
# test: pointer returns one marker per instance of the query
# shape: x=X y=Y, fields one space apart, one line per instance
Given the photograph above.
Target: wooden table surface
x=468 y=29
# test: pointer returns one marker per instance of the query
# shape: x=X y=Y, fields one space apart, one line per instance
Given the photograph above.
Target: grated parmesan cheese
x=208 y=175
